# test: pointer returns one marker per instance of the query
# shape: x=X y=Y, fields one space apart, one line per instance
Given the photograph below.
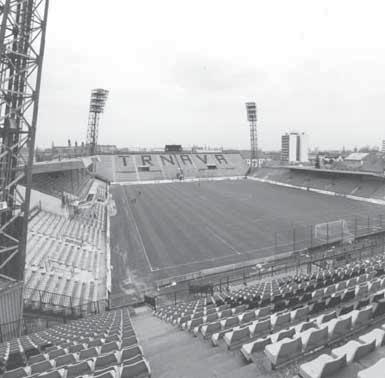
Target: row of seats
x=169 y=166
x=102 y=345
x=66 y=261
x=280 y=317
x=347 y=354
x=42 y=248
x=58 y=226
x=246 y=327
x=322 y=333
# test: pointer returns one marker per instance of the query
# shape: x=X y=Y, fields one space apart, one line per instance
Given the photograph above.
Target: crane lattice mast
x=22 y=42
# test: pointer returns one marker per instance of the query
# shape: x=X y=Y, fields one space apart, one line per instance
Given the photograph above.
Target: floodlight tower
x=97 y=104
x=251 y=109
x=22 y=42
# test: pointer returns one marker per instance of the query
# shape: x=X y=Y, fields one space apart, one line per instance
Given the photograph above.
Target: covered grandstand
x=344 y=182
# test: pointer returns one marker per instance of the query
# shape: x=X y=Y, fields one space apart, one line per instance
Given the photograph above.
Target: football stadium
x=177 y=263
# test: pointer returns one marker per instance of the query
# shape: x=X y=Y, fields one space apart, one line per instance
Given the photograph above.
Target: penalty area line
x=225 y=242
x=139 y=234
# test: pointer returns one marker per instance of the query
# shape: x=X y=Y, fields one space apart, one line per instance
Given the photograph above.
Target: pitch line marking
x=139 y=234
x=223 y=241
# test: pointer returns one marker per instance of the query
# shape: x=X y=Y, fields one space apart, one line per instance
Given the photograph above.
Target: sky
x=181 y=71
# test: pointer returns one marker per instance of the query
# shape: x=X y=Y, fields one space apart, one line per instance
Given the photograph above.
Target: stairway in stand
x=174 y=353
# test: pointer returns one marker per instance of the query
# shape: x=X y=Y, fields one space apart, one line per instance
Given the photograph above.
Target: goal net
x=329 y=232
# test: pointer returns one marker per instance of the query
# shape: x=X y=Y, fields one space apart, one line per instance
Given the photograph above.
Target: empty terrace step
x=174 y=353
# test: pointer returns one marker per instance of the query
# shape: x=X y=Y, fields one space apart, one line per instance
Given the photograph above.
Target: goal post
x=333 y=231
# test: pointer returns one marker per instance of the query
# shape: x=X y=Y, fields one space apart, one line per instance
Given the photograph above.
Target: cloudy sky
x=180 y=71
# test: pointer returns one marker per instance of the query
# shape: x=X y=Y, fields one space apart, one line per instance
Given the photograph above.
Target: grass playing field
x=171 y=229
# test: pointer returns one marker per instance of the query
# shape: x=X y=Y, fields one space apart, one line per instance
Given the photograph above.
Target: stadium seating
x=153 y=167
x=66 y=260
x=369 y=187
x=101 y=345
x=292 y=318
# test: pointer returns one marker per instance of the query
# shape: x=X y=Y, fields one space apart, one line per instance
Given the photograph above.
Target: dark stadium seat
x=106 y=361
x=138 y=369
x=68 y=359
x=379 y=308
x=16 y=373
x=80 y=369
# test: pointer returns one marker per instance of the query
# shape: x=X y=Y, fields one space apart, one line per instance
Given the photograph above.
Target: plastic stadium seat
x=95 y=343
x=88 y=353
x=112 y=338
x=111 y=373
x=378 y=296
x=109 y=347
x=211 y=328
x=280 y=320
x=326 y=317
x=314 y=338
x=374 y=371
x=262 y=312
x=137 y=370
x=299 y=313
x=35 y=359
x=129 y=353
x=379 y=308
x=15 y=360
x=305 y=326
x=229 y=322
x=77 y=370
x=41 y=367
x=339 y=327
x=56 y=353
x=363 y=303
x=348 y=295
x=317 y=307
x=236 y=336
x=286 y=333
x=76 y=348
x=376 y=334
x=130 y=341
x=68 y=359
x=354 y=350
x=16 y=373
x=53 y=374
x=106 y=361
x=247 y=316
x=283 y=351
x=322 y=367
x=361 y=317
x=256 y=346
x=345 y=309
x=133 y=360
x=260 y=328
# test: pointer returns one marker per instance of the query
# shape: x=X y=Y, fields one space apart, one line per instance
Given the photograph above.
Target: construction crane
x=97 y=104
x=22 y=42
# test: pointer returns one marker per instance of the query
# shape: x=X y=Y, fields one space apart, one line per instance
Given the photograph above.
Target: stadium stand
x=293 y=318
x=148 y=167
x=353 y=183
x=68 y=253
x=104 y=345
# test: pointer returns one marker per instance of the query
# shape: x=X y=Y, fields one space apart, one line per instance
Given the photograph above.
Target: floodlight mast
x=251 y=109
x=98 y=101
x=22 y=43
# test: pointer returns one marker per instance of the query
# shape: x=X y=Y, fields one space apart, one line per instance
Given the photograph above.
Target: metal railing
x=61 y=304
x=11 y=330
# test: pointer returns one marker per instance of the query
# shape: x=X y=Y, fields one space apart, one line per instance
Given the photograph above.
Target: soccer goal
x=329 y=232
